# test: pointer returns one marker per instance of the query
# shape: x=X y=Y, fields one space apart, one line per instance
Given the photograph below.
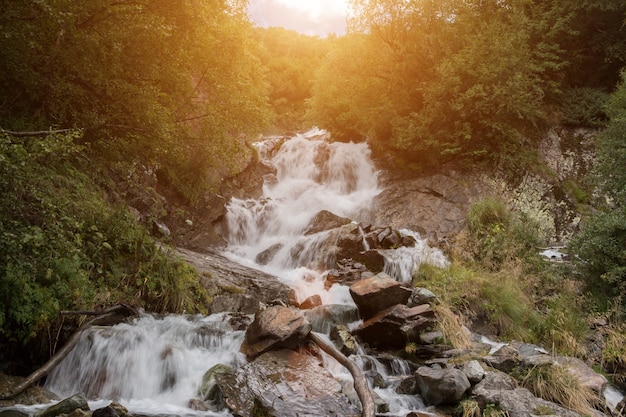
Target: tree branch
x=360 y=383
x=35 y=133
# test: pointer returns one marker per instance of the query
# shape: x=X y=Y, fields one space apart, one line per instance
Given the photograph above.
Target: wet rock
x=265 y=257
x=107 y=411
x=68 y=405
x=284 y=383
x=275 y=328
x=343 y=339
x=208 y=390
x=441 y=386
x=372 y=259
x=327 y=316
x=325 y=220
x=394 y=327
x=236 y=288
x=12 y=413
x=378 y=293
x=311 y=302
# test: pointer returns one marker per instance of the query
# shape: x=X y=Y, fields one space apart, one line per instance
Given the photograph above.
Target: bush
x=63 y=246
x=584 y=107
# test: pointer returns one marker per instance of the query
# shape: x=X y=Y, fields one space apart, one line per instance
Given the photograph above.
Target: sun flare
x=317 y=8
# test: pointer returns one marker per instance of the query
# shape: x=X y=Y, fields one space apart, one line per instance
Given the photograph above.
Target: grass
x=556 y=384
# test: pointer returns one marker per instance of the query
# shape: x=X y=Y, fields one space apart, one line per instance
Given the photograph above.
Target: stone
x=421 y=296
x=378 y=293
x=284 y=383
x=585 y=375
x=441 y=386
x=208 y=390
x=325 y=220
x=107 y=411
x=68 y=405
x=394 y=327
x=473 y=371
x=266 y=256
x=311 y=302
x=323 y=318
x=273 y=328
x=343 y=339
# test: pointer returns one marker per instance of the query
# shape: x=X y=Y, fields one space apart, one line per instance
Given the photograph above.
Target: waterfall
x=312 y=175
x=154 y=365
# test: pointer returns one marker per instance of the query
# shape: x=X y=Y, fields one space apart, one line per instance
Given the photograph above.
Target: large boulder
x=275 y=327
x=378 y=293
x=394 y=327
x=284 y=383
x=441 y=386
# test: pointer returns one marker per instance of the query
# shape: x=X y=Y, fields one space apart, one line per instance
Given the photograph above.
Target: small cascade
x=150 y=365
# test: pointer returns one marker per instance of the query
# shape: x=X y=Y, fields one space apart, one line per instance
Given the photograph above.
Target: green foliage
x=601 y=243
x=499 y=237
x=163 y=83
x=584 y=107
x=291 y=61
x=64 y=247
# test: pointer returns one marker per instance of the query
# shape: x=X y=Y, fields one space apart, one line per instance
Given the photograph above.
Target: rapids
x=154 y=365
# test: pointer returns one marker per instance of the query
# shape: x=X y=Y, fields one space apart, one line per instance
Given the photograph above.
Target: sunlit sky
x=310 y=17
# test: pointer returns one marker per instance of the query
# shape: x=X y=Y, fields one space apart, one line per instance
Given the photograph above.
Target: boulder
x=473 y=371
x=284 y=383
x=68 y=405
x=311 y=302
x=394 y=327
x=275 y=327
x=421 y=296
x=343 y=339
x=378 y=293
x=208 y=390
x=266 y=256
x=325 y=220
x=441 y=386
x=327 y=316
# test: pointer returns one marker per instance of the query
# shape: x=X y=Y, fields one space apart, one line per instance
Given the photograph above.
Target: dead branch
x=360 y=383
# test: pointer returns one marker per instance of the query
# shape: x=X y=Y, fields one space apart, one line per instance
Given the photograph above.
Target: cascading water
x=312 y=175
x=155 y=365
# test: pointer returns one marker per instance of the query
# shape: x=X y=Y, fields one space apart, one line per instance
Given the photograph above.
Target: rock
x=378 y=293
x=311 y=302
x=208 y=390
x=430 y=338
x=372 y=259
x=343 y=339
x=68 y=405
x=265 y=257
x=236 y=287
x=325 y=220
x=284 y=383
x=394 y=327
x=13 y=413
x=327 y=316
x=504 y=359
x=473 y=371
x=421 y=296
x=275 y=328
x=107 y=411
x=586 y=376
x=441 y=386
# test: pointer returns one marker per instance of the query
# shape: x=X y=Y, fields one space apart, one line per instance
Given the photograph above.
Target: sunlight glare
x=317 y=8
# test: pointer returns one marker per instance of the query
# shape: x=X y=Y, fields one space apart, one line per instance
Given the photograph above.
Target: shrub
x=584 y=107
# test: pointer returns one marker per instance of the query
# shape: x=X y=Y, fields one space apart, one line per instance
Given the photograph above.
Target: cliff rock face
x=436 y=205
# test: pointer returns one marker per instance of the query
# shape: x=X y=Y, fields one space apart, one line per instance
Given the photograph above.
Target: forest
x=94 y=95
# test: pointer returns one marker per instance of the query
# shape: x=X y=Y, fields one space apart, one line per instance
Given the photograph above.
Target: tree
x=601 y=244
x=167 y=83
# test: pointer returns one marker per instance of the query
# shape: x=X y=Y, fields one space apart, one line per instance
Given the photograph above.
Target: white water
x=155 y=366
x=313 y=175
x=152 y=365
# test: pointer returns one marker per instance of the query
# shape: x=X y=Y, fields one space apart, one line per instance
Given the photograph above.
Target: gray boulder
x=67 y=406
x=441 y=386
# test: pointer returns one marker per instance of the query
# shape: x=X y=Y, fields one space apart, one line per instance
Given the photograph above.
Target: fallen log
x=101 y=316
x=360 y=383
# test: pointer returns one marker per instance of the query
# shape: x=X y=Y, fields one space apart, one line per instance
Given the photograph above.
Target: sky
x=310 y=17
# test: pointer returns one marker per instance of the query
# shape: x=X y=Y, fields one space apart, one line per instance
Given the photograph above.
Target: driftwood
x=360 y=383
x=120 y=310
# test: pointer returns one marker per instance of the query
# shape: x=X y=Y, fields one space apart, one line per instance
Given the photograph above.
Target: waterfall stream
x=155 y=365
